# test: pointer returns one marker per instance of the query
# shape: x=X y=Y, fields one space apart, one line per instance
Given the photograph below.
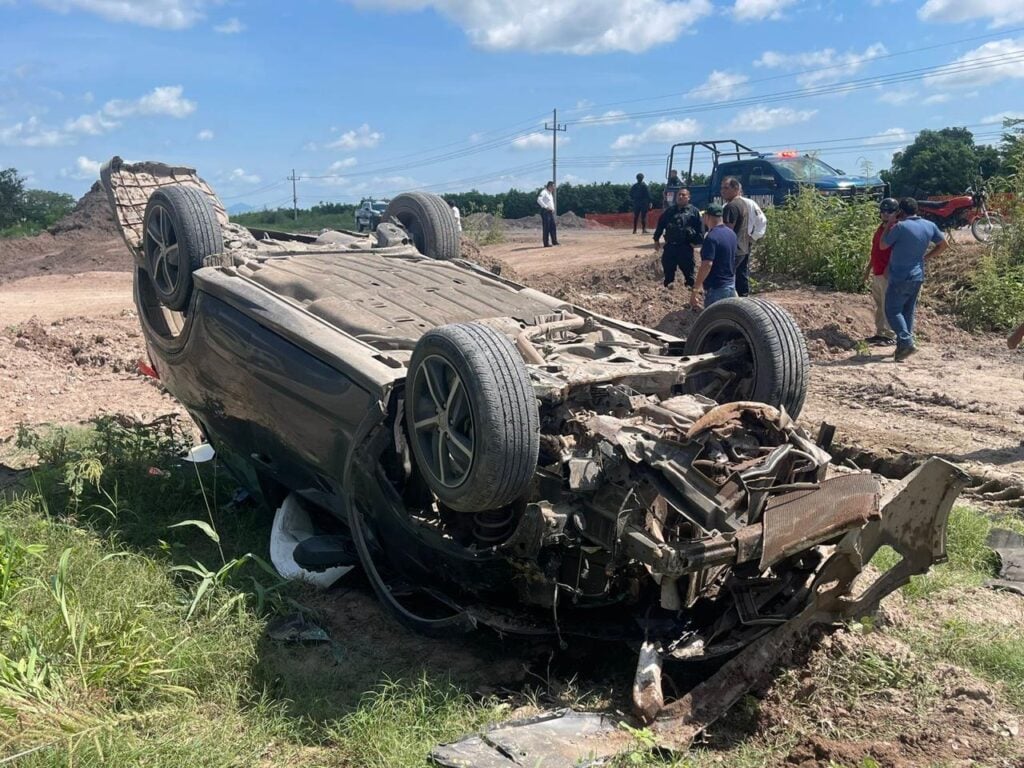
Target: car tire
x=775 y=370
x=429 y=221
x=471 y=416
x=180 y=230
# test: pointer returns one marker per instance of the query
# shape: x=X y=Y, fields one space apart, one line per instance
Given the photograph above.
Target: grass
x=127 y=639
x=283 y=220
x=108 y=658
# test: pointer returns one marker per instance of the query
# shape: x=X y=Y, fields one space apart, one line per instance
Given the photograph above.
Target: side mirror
x=840 y=171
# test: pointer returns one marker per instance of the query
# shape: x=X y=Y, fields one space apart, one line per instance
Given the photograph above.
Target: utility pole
x=554 y=128
x=295 y=198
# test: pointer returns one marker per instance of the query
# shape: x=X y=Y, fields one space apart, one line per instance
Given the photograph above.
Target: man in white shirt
x=546 y=201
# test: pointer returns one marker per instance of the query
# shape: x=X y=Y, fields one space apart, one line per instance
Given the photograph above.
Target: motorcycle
x=968 y=209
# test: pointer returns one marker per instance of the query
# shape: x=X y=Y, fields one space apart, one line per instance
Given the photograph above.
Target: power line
x=815 y=70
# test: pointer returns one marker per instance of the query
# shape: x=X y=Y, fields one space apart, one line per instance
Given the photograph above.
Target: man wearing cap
x=877 y=271
x=640 y=199
x=716 y=278
x=909 y=239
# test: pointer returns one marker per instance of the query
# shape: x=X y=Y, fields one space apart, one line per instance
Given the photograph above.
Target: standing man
x=716 y=278
x=673 y=185
x=640 y=198
x=877 y=271
x=683 y=229
x=546 y=201
x=909 y=239
x=737 y=215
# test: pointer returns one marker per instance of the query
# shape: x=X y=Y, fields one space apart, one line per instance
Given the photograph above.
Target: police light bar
x=788 y=153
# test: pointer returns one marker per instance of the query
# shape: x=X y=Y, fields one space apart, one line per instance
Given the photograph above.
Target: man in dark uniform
x=683 y=229
x=640 y=199
x=673 y=185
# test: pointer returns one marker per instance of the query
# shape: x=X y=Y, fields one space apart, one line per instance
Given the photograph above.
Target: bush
x=995 y=300
x=820 y=240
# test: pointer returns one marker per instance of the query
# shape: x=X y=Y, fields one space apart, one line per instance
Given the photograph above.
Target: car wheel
x=429 y=221
x=774 y=365
x=359 y=226
x=472 y=417
x=180 y=229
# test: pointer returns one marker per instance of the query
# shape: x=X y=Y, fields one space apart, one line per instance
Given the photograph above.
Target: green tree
x=12 y=196
x=943 y=162
x=43 y=208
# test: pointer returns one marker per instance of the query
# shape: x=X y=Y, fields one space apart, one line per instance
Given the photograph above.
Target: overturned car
x=493 y=456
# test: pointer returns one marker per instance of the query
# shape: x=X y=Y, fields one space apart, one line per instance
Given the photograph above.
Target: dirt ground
x=70 y=342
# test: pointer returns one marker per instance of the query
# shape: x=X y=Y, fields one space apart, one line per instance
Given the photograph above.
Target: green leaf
x=202 y=526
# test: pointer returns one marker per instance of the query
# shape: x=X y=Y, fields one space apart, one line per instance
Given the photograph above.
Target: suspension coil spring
x=493 y=526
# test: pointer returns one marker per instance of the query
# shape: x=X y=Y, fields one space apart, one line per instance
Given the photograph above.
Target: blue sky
x=376 y=96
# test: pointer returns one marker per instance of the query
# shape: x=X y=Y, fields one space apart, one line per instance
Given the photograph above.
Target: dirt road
x=69 y=344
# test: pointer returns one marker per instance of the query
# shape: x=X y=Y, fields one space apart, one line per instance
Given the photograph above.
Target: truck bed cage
x=717 y=147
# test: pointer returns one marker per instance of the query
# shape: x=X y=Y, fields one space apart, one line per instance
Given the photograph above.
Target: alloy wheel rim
x=443 y=421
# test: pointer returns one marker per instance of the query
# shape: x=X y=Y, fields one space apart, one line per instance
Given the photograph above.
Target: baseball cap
x=714 y=209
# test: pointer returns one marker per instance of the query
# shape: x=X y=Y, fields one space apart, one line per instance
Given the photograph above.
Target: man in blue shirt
x=717 y=274
x=909 y=236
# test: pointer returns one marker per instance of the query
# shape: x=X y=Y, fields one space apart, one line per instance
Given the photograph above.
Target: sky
x=373 y=97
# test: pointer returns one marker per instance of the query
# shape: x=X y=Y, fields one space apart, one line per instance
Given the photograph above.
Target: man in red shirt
x=877 y=271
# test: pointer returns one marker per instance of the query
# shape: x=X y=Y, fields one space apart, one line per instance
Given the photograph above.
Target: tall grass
x=126 y=639
x=819 y=240
x=995 y=300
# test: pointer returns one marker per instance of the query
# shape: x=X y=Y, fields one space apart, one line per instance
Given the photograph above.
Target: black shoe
x=547 y=245
x=879 y=340
x=902 y=353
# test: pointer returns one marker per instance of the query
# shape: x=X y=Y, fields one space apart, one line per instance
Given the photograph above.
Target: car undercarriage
x=492 y=456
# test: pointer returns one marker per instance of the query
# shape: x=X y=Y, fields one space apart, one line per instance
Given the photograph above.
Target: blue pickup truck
x=767 y=178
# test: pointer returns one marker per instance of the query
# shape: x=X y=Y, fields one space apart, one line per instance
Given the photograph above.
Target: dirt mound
x=470 y=251
x=569 y=220
x=92 y=213
x=526 y=222
x=85 y=240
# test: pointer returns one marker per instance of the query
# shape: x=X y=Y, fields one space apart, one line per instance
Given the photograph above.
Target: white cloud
x=937 y=98
x=891 y=135
x=720 y=86
x=85 y=169
x=896 y=97
x=537 y=140
x=993 y=61
x=239 y=174
x=205 y=135
x=163 y=14
x=825 y=66
x=998 y=117
x=1002 y=12
x=764 y=119
x=95 y=124
x=659 y=133
x=162 y=100
x=230 y=27
x=568 y=26
x=611 y=117
x=361 y=137
x=338 y=165
x=32 y=133
x=758 y=10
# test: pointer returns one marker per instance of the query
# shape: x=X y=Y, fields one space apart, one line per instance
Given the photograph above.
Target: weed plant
x=819 y=239
x=132 y=604
x=995 y=301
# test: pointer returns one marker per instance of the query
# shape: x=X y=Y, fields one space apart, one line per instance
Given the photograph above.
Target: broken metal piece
x=563 y=739
x=1009 y=545
x=648 y=698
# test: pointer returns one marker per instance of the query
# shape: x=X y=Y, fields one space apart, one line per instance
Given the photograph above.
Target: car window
x=762 y=175
x=740 y=170
x=803 y=168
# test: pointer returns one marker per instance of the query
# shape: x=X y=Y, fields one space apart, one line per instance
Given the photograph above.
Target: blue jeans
x=711 y=295
x=900 y=304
